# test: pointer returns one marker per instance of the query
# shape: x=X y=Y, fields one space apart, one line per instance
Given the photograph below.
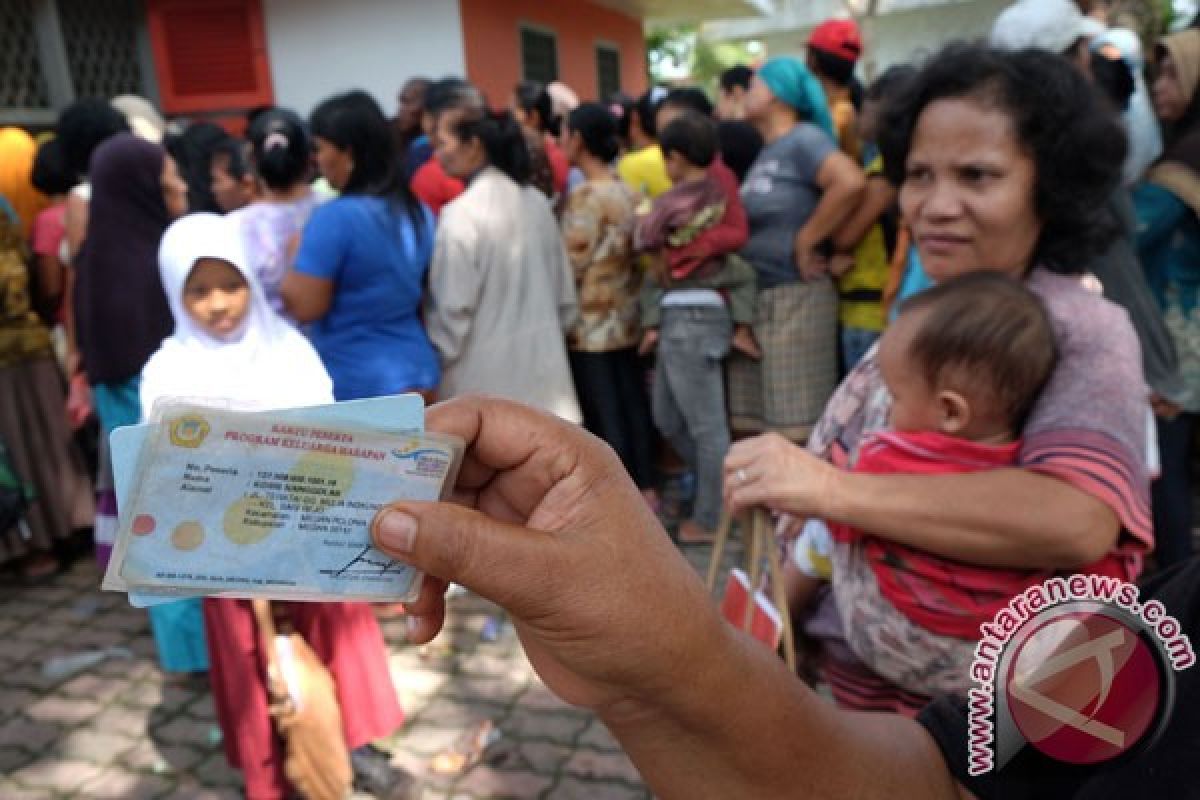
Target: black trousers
x=616 y=407
x=1172 y=493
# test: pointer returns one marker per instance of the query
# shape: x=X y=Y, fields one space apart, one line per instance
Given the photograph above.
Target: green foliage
x=680 y=55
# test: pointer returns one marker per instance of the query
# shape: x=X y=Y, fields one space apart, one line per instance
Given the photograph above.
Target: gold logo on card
x=189 y=431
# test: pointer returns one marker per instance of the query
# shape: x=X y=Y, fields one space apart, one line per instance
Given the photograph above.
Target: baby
x=964 y=363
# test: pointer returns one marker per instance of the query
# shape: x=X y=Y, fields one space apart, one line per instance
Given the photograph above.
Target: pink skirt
x=345 y=636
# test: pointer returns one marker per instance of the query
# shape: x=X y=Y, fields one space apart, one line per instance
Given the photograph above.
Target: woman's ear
x=954 y=412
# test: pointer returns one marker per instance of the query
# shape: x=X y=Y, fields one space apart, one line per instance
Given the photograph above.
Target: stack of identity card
x=226 y=503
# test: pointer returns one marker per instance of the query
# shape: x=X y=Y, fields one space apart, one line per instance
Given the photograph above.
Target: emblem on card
x=189 y=431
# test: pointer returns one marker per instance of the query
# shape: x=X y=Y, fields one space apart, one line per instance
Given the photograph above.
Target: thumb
x=502 y=562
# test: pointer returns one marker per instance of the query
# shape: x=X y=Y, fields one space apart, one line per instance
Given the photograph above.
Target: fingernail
x=396 y=531
x=413 y=624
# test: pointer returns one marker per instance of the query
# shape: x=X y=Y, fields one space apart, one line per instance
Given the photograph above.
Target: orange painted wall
x=491 y=39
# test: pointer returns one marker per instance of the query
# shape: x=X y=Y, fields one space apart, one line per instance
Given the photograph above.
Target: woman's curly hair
x=1077 y=145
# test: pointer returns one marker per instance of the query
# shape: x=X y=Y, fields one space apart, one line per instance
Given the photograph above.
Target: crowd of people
x=944 y=326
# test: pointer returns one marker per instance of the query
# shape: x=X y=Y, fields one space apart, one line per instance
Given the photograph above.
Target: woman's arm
x=1001 y=518
x=842 y=184
x=306 y=298
x=878 y=198
x=76 y=221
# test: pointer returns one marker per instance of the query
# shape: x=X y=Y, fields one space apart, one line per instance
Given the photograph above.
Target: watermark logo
x=1078 y=668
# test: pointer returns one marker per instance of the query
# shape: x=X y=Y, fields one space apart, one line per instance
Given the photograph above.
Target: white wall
x=320 y=47
x=905 y=36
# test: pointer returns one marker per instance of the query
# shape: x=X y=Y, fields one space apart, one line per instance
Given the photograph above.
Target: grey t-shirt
x=780 y=193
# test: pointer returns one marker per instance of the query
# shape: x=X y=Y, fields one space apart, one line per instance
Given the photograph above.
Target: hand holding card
x=239 y=504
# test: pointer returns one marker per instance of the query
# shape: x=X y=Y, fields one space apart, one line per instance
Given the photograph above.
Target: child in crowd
x=682 y=307
x=230 y=346
x=964 y=363
x=864 y=244
x=681 y=216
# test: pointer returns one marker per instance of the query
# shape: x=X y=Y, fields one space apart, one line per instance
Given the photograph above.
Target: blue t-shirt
x=371 y=340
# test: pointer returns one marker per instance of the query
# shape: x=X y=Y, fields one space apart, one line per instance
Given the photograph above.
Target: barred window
x=22 y=84
x=539 y=55
x=608 y=70
x=101 y=44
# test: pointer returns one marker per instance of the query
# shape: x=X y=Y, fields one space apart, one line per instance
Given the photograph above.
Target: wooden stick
x=781 y=603
x=718 y=551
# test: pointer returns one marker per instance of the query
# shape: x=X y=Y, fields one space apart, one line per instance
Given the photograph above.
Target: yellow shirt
x=645 y=171
x=869 y=274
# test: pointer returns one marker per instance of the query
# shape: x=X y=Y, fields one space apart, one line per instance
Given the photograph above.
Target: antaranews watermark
x=1079 y=668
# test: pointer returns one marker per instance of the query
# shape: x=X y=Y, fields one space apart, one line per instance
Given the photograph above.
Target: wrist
x=837 y=498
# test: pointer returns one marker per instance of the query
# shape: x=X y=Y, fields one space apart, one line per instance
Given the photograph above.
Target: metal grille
x=539 y=56
x=101 y=42
x=22 y=84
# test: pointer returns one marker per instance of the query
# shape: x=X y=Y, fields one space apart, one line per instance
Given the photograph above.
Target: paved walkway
x=119 y=729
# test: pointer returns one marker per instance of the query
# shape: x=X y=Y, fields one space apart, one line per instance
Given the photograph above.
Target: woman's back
x=268 y=231
x=371 y=339
x=502 y=295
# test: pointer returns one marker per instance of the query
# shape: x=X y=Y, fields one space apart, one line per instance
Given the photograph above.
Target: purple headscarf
x=121 y=310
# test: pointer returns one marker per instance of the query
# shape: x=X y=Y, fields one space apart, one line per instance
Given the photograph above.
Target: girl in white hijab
x=228 y=344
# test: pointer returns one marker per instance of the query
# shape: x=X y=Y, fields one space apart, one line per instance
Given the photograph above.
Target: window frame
x=602 y=46
x=538 y=30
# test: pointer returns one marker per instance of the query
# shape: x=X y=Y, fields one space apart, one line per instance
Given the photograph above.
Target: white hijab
x=266 y=365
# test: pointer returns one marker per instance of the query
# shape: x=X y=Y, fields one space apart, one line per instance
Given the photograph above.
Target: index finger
x=507 y=440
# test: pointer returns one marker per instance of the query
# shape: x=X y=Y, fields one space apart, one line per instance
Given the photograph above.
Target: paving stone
x=148 y=694
x=12 y=758
x=21 y=732
x=483 y=781
x=58 y=774
x=541 y=757
x=11 y=791
x=49 y=632
x=523 y=725
x=63 y=710
x=184 y=730
x=572 y=788
x=23 y=649
x=117 y=784
x=203 y=708
x=101 y=688
x=122 y=720
x=146 y=756
x=427 y=740
x=597 y=737
x=94 y=746
x=594 y=765
x=195 y=791
x=539 y=698
x=14 y=699
x=215 y=771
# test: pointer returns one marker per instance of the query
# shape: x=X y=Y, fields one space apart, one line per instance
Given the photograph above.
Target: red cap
x=838 y=37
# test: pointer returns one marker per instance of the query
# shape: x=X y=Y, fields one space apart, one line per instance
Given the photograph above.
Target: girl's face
x=968 y=191
x=460 y=159
x=1169 y=101
x=174 y=189
x=336 y=165
x=216 y=297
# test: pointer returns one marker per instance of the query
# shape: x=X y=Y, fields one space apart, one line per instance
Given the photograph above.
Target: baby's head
x=689 y=144
x=968 y=358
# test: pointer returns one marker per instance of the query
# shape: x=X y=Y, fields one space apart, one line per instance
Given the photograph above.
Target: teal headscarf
x=790 y=81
